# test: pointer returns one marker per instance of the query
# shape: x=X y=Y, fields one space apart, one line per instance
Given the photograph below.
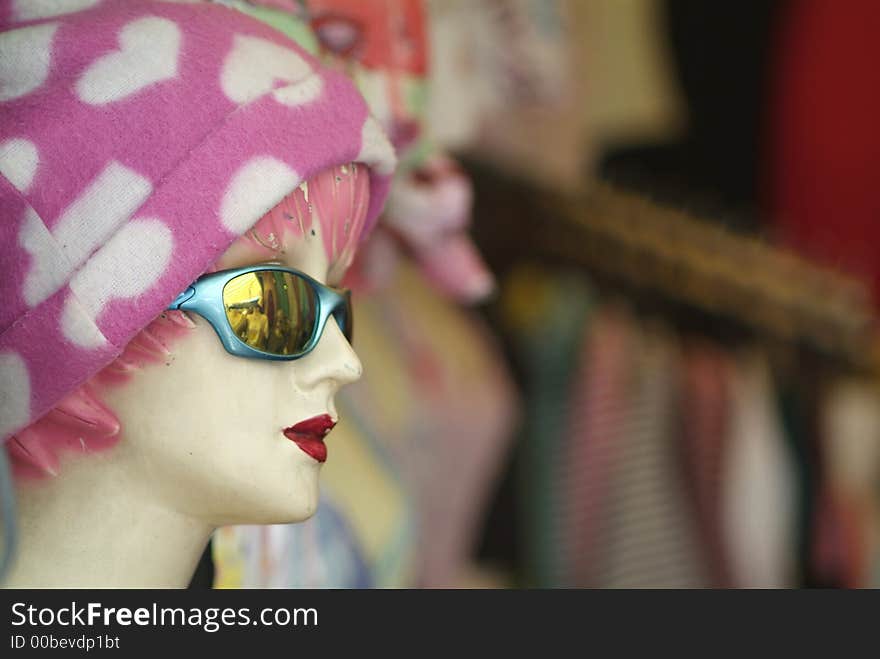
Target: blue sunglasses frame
x=205 y=298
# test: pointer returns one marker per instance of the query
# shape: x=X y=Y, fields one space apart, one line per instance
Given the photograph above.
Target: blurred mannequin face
x=383 y=46
x=205 y=428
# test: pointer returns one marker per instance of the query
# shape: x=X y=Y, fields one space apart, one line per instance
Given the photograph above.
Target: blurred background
x=618 y=321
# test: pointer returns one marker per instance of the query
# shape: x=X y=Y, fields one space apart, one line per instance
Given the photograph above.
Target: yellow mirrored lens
x=272 y=311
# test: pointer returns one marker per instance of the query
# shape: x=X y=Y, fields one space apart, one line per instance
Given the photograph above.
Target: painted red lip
x=309 y=435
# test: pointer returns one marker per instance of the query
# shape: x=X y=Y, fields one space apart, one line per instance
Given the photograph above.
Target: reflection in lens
x=272 y=311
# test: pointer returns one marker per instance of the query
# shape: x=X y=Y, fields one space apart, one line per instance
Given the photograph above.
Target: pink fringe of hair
x=340 y=196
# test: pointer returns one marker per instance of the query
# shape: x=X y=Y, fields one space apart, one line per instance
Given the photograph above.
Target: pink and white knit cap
x=138 y=140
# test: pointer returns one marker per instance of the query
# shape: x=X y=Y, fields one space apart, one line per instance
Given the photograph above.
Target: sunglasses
x=266 y=311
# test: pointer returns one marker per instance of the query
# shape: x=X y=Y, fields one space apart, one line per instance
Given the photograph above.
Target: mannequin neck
x=92 y=527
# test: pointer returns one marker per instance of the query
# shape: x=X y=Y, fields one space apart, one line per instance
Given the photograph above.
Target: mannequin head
x=198 y=428
x=384 y=47
x=145 y=143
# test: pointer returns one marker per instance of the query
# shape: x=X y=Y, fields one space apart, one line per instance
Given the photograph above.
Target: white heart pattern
x=107 y=202
x=125 y=267
x=375 y=148
x=149 y=54
x=18 y=162
x=301 y=93
x=28 y=10
x=25 y=56
x=264 y=178
x=15 y=392
x=254 y=65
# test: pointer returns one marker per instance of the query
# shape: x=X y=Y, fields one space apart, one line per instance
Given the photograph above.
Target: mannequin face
x=203 y=432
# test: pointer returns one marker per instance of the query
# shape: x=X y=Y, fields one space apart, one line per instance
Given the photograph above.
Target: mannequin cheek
x=170 y=410
x=206 y=430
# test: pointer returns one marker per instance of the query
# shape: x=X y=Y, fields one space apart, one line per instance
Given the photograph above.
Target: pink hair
x=340 y=195
x=81 y=423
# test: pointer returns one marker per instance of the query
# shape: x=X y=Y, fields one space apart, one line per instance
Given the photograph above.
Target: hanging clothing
x=851 y=429
x=651 y=538
x=705 y=440
x=547 y=316
x=598 y=407
x=759 y=485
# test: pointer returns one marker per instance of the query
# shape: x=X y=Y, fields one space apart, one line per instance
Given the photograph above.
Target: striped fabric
x=548 y=315
x=650 y=537
x=596 y=415
x=705 y=431
x=645 y=463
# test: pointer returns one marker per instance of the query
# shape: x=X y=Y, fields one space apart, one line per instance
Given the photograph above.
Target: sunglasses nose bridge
x=333 y=359
x=345 y=316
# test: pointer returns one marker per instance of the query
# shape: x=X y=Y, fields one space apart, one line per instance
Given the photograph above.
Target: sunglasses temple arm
x=182 y=298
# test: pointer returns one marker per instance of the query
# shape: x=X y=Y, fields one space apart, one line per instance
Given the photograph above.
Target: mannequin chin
x=201 y=442
x=205 y=429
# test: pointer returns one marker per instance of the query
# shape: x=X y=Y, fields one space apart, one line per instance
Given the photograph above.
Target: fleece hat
x=138 y=140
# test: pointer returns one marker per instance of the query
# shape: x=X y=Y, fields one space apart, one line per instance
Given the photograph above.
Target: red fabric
x=706 y=406
x=824 y=135
x=598 y=414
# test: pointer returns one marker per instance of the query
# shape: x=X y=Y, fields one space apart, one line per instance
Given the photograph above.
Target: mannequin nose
x=332 y=359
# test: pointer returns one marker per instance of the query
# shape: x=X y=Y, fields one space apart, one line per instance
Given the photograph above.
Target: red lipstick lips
x=309 y=435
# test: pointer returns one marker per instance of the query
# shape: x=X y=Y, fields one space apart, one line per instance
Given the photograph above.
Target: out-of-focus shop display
x=688 y=419
x=700 y=397
x=676 y=382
